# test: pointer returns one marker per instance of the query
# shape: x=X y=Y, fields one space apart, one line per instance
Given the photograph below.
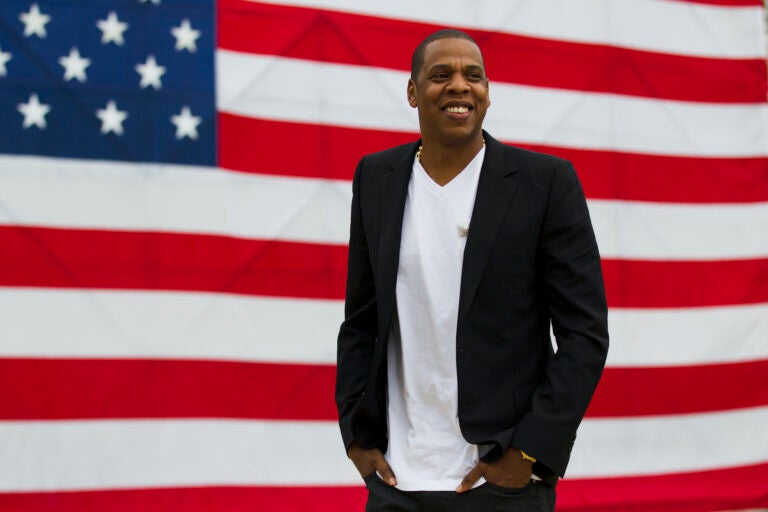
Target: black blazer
x=530 y=258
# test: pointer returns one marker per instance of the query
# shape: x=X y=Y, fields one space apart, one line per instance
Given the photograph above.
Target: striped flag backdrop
x=174 y=196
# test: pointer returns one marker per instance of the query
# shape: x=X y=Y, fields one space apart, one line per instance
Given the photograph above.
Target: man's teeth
x=457 y=110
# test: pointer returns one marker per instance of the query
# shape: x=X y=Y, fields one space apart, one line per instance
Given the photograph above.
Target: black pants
x=534 y=497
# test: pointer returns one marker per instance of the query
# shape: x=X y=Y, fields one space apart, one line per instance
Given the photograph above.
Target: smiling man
x=463 y=251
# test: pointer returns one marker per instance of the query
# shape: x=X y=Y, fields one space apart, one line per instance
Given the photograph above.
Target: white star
x=4 y=58
x=150 y=73
x=112 y=29
x=185 y=36
x=111 y=118
x=34 y=21
x=156 y=2
x=186 y=124
x=74 y=66
x=34 y=112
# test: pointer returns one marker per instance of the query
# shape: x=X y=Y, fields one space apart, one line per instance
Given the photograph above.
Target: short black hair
x=417 y=61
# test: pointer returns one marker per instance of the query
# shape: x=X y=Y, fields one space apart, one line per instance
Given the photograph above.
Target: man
x=462 y=251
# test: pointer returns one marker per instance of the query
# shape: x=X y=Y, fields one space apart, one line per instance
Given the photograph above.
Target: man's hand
x=511 y=470
x=370 y=461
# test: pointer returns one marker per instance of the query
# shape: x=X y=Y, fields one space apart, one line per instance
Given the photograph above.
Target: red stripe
x=726 y=3
x=36 y=389
x=119 y=388
x=194 y=499
x=328 y=152
x=330 y=36
x=333 y=152
x=670 y=284
x=169 y=261
x=69 y=258
x=680 y=390
x=722 y=489
x=638 y=177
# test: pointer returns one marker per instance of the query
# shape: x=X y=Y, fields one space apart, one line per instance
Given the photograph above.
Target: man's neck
x=443 y=163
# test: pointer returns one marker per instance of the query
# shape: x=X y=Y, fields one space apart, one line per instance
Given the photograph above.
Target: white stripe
x=670 y=444
x=169 y=325
x=150 y=197
x=69 y=455
x=363 y=97
x=640 y=230
x=70 y=193
x=667 y=27
x=174 y=325
x=687 y=336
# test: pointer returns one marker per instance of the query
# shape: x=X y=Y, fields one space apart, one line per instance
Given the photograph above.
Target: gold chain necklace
x=421 y=146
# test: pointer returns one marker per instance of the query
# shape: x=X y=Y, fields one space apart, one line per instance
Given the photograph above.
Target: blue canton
x=129 y=80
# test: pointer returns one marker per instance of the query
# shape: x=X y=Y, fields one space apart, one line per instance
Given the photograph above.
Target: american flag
x=174 y=204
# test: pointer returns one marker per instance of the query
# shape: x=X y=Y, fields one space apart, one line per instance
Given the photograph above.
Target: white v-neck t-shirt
x=426 y=449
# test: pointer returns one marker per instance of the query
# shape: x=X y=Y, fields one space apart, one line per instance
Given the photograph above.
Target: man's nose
x=458 y=83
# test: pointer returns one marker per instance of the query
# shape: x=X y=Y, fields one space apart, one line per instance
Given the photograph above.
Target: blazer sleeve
x=569 y=263
x=357 y=335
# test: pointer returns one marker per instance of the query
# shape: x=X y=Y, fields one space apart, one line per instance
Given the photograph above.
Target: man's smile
x=457 y=111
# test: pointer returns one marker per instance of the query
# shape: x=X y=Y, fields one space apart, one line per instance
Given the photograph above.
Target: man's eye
x=439 y=76
x=474 y=76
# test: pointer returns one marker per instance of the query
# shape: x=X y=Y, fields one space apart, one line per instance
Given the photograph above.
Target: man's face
x=450 y=92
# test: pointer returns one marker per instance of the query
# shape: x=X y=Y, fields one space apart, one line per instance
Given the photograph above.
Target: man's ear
x=411 y=92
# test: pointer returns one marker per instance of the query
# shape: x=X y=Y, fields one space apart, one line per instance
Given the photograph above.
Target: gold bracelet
x=527 y=457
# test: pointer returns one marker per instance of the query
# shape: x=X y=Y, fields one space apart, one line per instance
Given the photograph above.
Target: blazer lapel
x=392 y=194
x=495 y=189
